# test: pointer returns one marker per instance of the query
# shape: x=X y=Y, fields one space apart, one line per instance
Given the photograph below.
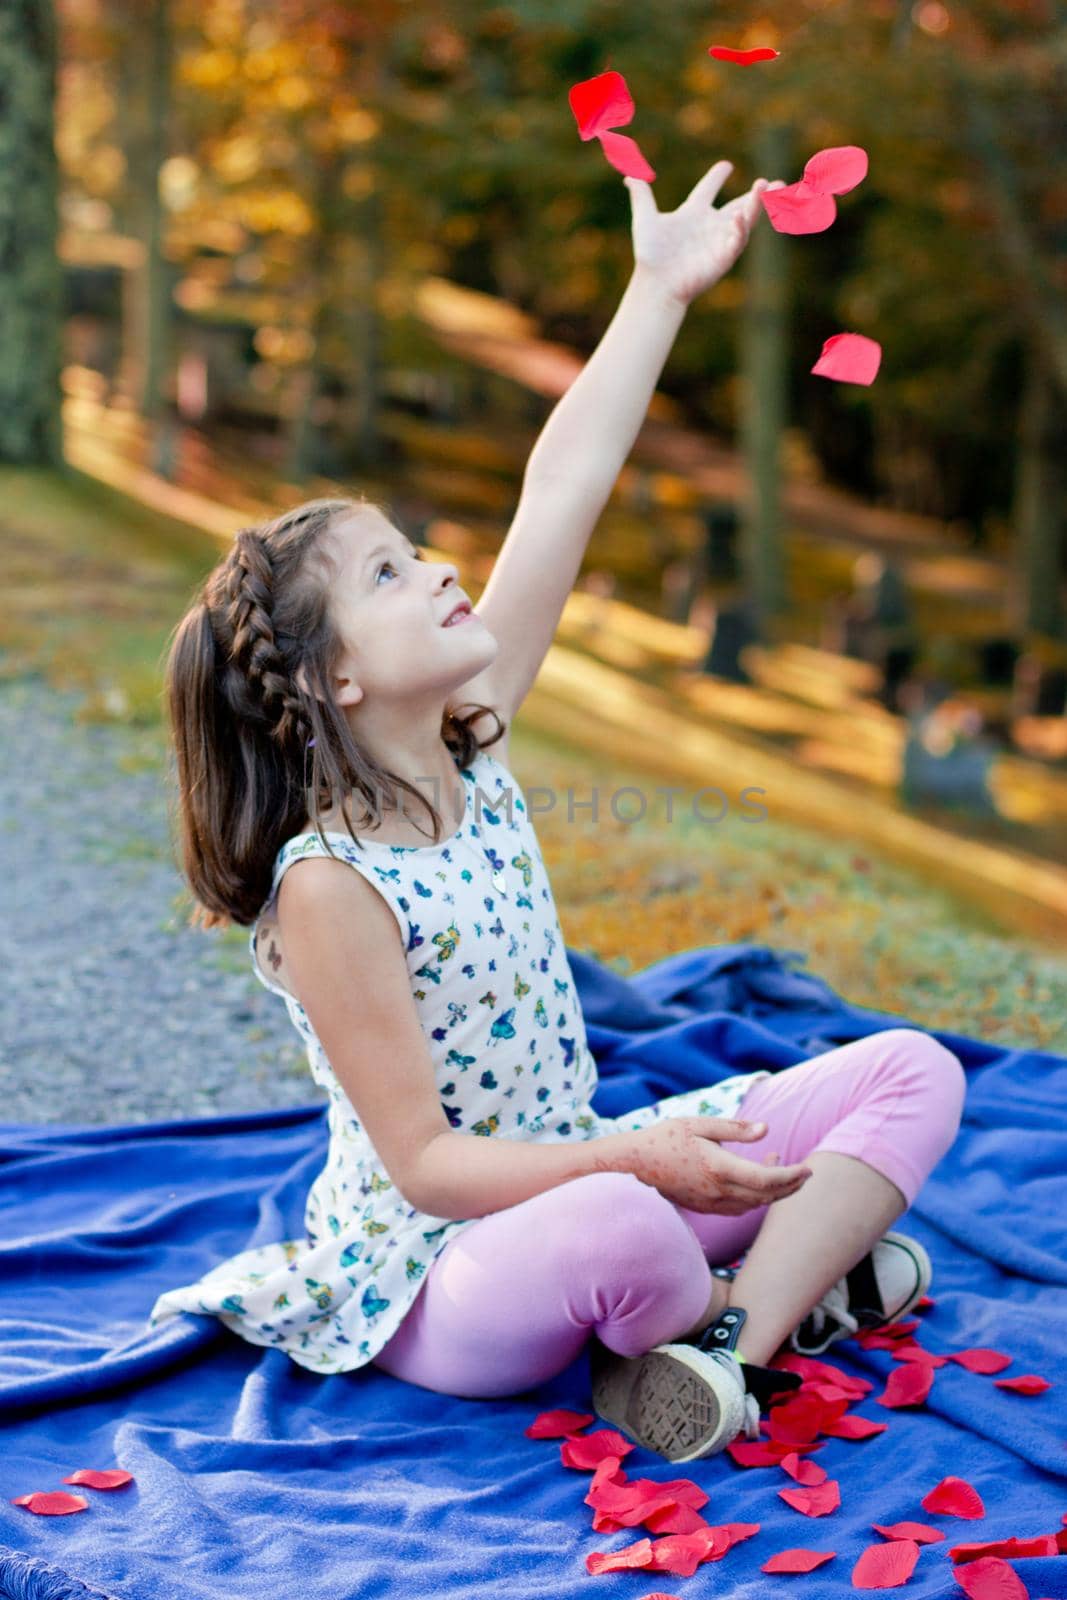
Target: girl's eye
x=418 y=556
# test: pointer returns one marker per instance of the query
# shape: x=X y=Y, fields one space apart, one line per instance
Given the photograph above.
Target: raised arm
x=589 y=434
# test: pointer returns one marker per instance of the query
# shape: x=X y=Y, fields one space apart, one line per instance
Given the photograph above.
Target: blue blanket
x=256 y=1478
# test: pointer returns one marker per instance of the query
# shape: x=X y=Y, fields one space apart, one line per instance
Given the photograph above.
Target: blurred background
x=259 y=250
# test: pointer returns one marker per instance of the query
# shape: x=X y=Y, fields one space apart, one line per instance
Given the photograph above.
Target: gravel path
x=113 y=1009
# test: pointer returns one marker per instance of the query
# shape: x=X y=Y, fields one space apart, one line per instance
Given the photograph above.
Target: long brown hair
x=247 y=773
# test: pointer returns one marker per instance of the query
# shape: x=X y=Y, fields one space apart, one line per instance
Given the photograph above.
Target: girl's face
x=389 y=603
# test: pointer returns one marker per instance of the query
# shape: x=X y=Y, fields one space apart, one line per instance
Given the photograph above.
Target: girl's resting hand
x=682 y=1158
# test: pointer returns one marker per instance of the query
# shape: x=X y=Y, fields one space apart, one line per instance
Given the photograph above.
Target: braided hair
x=260 y=743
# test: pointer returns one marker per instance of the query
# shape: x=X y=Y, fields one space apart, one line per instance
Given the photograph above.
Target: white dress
x=496 y=998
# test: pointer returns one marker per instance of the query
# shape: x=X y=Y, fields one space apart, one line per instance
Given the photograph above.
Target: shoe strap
x=723 y=1333
x=760 y=1382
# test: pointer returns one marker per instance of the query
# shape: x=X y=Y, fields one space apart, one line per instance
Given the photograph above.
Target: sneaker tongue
x=763 y=1382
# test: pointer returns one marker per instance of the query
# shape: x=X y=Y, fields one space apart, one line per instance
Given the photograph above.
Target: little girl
x=476 y=1223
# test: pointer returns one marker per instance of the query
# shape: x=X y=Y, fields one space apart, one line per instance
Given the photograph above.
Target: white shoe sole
x=674 y=1400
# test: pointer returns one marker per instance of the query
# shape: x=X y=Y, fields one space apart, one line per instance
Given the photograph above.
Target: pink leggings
x=511 y=1301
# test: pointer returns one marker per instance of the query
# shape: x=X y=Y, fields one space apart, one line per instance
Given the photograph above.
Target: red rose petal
x=110 y=1478
x=814 y=1502
x=632 y=1555
x=918 y=1531
x=1043 y=1545
x=954 y=1497
x=801 y=1419
x=673 y=1518
x=682 y=1553
x=855 y=1428
x=848 y=357
x=990 y=1579
x=813 y=1371
x=797 y=1560
x=981 y=1360
x=885 y=1566
x=907 y=1385
x=765 y=1452
x=915 y=1352
x=837 y=170
x=744 y=58
x=625 y=156
x=798 y=209
x=808 y=1473
x=551 y=1424
x=52 y=1502
x=924 y=1304
x=741 y=1530
x=1025 y=1383
x=601 y=102
x=587 y=1451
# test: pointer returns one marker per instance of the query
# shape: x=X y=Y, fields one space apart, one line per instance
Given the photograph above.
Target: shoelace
x=833 y=1305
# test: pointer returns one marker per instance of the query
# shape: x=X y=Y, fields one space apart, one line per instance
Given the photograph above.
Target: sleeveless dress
x=496 y=999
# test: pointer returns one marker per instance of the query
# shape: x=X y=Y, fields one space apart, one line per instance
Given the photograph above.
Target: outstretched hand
x=691 y=248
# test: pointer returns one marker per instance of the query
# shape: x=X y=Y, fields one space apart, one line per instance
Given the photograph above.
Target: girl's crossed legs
x=512 y=1300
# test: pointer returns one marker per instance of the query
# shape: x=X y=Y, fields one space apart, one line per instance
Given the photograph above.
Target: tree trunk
x=31 y=279
x=1041 y=486
x=764 y=368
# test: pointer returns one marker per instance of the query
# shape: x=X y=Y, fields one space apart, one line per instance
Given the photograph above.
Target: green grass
x=95 y=584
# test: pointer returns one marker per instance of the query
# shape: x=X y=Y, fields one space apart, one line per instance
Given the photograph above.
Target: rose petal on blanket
x=107 y=1478
x=625 y=156
x=855 y=1428
x=765 y=1452
x=52 y=1502
x=981 y=1360
x=802 y=1419
x=907 y=1385
x=909 y=1530
x=954 y=1497
x=817 y=1501
x=741 y=1530
x=552 y=1424
x=837 y=170
x=587 y=1451
x=682 y=1553
x=1009 y=1549
x=850 y=358
x=807 y=1473
x=822 y=1372
x=673 y=1518
x=798 y=208
x=638 y=1554
x=925 y=1304
x=990 y=1579
x=601 y=102
x=885 y=1566
x=743 y=58
x=1025 y=1383
x=797 y=1560
x=915 y=1352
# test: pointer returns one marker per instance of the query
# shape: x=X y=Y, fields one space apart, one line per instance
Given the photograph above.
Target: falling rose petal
x=633 y=1555
x=797 y=1560
x=815 y=1502
x=551 y=1424
x=52 y=1502
x=885 y=1566
x=855 y=1428
x=798 y=209
x=990 y=1579
x=954 y=1497
x=836 y=171
x=110 y=1478
x=601 y=102
x=907 y=1385
x=625 y=156
x=807 y=1473
x=981 y=1360
x=850 y=358
x=1025 y=1383
x=1010 y=1549
x=909 y=1530
x=590 y=1449
x=743 y=58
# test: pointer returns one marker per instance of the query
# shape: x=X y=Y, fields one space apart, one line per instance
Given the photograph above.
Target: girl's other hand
x=683 y=1158
x=687 y=250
